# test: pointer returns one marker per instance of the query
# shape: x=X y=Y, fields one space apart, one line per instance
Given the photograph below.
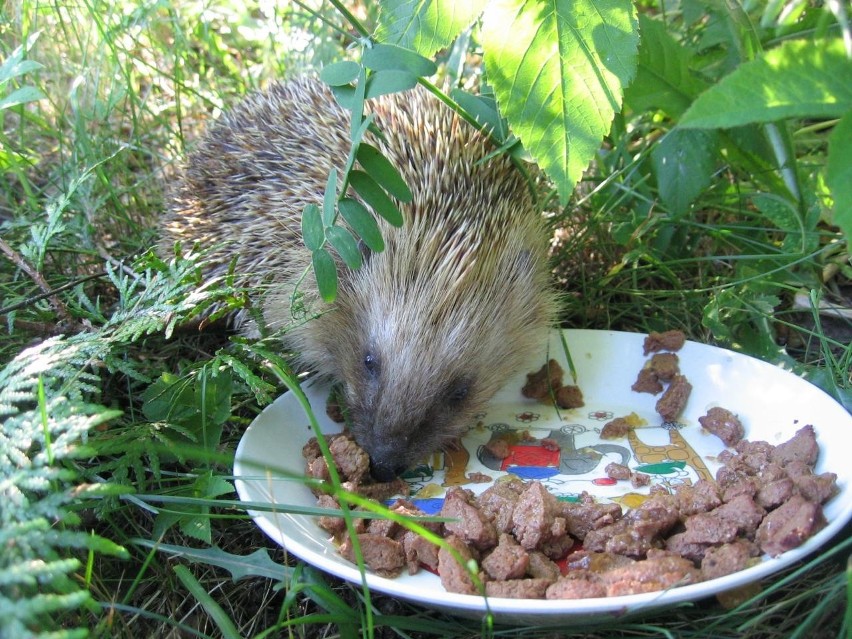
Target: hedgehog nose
x=384 y=471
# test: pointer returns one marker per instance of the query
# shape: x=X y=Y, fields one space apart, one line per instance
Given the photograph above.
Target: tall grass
x=127 y=87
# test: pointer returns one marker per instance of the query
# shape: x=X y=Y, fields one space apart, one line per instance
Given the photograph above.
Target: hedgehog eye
x=371 y=364
x=458 y=392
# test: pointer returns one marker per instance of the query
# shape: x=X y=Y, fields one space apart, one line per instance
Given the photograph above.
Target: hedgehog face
x=399 y=424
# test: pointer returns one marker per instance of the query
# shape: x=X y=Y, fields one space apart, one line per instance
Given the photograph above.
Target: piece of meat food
x=789 y=525
x=724 y=424
x=537 y=518
x=647 y=381
x=544 y=381
x=497 y=502
x=454 y=575
x=699 y=497
x=615 y=429
x=664 y=365
x=672 y=340
x=569 y=396
x=581 y=584
x=728 y=558
x=617 y=471
x=518 y=588
x=507 y=561
x=472 y=525
x=581 y=517
x=802 y=447
x=382 y=555
x=650 y=575
x=674 y=399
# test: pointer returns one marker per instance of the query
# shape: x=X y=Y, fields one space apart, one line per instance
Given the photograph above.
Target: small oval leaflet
x=340 y=73
x=375 y=196
x=363 y=223
x=312 y=230
x=346 y=246
x=325 y=272
x=380 y=57
x=389 y=81
x=383 y=171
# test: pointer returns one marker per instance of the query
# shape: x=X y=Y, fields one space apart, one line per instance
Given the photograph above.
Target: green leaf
x=345 y=245
x=223 y=622
x=325 y=271
x=256 y=564
x=312 y=228
x=382 y=171
x=23 y=95
x=381 y=57
x=663 y=80
x=363 y=223
x=684 y=162
x=483 y=110
x=558 y=69
x=838 y=173
x=426 y=25
x=375 y=196
x=340 y=73
x=799 y=78
x=328 y=203
x=389 y=81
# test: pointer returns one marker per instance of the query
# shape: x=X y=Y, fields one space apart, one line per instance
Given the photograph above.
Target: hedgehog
x=425 y=332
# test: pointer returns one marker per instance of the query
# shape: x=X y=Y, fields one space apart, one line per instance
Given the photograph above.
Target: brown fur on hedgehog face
x=425 y=332
x=423 y=354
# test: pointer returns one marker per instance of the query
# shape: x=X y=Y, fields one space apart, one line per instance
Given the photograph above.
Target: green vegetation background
x=712 y=194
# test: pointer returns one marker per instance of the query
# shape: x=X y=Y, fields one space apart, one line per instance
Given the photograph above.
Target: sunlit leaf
x=426 y=25
x=838 y=174
x=799 y=78
x=558 y=69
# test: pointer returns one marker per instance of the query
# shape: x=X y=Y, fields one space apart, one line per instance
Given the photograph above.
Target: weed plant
x=120 y=417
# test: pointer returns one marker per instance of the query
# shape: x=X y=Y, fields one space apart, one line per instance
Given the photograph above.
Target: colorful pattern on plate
x=564 y=451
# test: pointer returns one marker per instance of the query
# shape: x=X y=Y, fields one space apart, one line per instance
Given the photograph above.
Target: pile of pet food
x=527 y=544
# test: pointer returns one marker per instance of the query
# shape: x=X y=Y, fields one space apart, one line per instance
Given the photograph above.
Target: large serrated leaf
x=799 y=78
x=838 y=173
x=558 y=69
x=684 y=162
x=426 y=25
x=663 y=77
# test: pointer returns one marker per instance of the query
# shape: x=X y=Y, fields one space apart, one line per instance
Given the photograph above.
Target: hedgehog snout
x=385 y=470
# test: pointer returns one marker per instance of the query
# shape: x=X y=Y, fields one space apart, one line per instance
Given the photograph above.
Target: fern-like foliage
x=48 y=405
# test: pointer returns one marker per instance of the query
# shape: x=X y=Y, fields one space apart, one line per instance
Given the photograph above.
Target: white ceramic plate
x=772 y=404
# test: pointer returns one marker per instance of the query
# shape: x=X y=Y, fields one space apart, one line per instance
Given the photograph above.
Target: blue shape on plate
x=430 y=506
x=533 y=472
